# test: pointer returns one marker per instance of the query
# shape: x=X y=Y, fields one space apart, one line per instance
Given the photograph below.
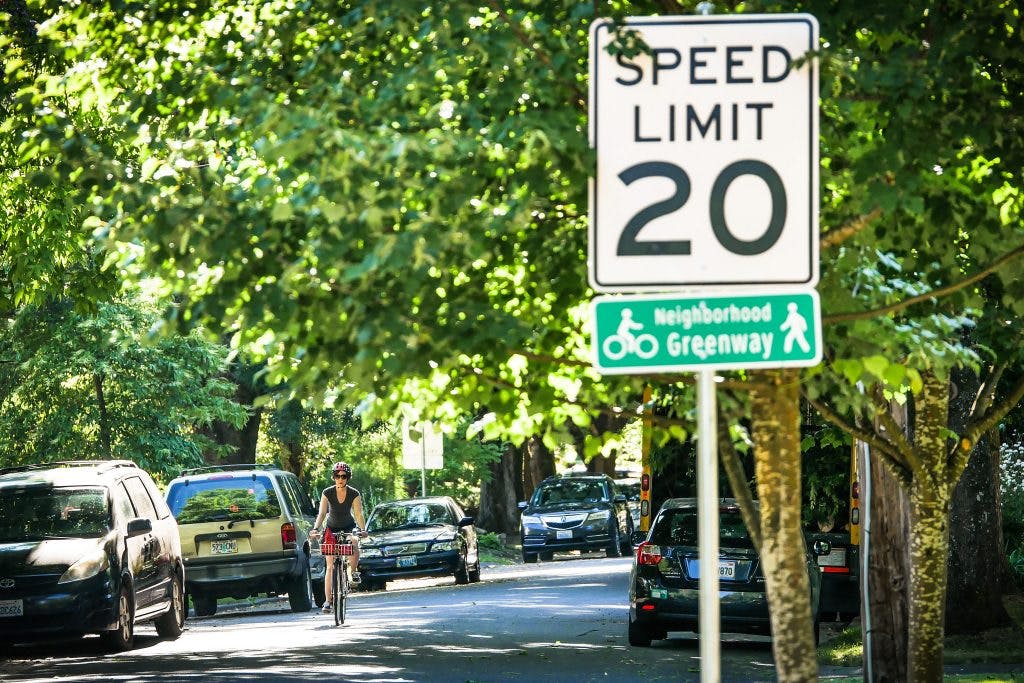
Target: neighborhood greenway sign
x=670 y=333
x=707 y=153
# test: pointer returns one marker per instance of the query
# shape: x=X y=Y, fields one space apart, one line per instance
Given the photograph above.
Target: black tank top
x=340 y=516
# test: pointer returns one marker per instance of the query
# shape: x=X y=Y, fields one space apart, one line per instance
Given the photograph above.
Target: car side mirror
x=139 y=526
x=619 y=498
x=822 y=547
x=637 y=537
x=466 y=521
x=521 y=505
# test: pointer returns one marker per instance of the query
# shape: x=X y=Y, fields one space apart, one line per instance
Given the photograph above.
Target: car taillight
x=648 y=553
x=835 y=570
x=287 y=535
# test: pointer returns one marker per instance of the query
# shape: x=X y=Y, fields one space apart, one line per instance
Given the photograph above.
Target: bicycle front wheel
x=339 y=613
x=342 y=598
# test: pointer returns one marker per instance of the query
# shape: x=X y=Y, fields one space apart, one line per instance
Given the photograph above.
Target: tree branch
x=934 y=294
x=581 y=99
x=836 y=237
x=991 y=418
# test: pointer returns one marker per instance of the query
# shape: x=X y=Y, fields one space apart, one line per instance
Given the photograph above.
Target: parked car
x=87 y=547
x=575 y=512
x=417 y=537
x=630 y=487
x=664 y=582
x=245 y=532
x=840 y=576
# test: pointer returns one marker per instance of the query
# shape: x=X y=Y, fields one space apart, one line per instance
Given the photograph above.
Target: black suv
x=87 y=547
x=245 y=532
x=575 y=512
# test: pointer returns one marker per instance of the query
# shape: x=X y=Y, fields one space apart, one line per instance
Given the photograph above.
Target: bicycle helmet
x=342 y=468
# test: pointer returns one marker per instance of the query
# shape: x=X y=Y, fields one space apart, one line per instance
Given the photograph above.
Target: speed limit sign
x=707 y=153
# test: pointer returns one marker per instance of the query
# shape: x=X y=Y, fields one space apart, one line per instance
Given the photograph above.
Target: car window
x=162 y=511
x=123 y=505
x=679 y=527
x=233 y=498
x=570 y=491
x=304 y=504
x=33 y=514
x=288 y=497
x=398 y=516
x=140 y=498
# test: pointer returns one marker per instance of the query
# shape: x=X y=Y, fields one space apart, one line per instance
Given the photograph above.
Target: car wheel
x=169 y=624
x=639 y=636
x=462 y=573
x=123 y=637
x=370 y=586
x=474 y=573
x=319 y=593
x=614 y=548
x=299 y=591
x=817 y=630
x=548 y=556
x=204 y=605
x=529 y=558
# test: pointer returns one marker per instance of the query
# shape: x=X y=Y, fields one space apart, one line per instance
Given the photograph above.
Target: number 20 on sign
x=707 y=153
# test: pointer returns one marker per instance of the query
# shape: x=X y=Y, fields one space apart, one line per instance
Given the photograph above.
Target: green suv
x=245 y=532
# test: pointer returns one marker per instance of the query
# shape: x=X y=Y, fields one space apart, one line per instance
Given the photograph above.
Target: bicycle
x=331 y=548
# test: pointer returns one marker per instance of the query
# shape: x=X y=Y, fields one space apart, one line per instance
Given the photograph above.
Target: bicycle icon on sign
x=643 y=345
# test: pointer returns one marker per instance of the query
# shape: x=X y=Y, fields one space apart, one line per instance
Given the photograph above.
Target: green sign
x=670 y=333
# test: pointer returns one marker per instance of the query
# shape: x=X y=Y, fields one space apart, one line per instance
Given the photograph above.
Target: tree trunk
x=104 y=418
x=602 y=464
x=540 y=463
x=930 y=494
x=498 y=511
x=240 y=442
x=776 y=432
x=884 y=610
x=977 y=559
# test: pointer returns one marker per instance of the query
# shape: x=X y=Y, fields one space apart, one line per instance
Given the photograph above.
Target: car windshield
x=679 y=527
x=388 y=517
x=218 y=500
x=35 y=514
x=569 y=491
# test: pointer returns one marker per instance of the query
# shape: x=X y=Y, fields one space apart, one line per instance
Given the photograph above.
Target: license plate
x=726 y=569
x=223 y=547
x=561 y=534
x=405 y=561
x=12 y=608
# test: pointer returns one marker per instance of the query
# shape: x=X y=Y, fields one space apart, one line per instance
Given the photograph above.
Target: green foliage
x=488 y=540
x=96 y=386
x=826 y=470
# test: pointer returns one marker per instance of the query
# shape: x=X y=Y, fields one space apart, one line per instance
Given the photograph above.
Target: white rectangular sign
x=422 y=446
x=707 y=154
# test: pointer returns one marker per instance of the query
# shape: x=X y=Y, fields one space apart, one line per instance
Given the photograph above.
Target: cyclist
x=342 y=506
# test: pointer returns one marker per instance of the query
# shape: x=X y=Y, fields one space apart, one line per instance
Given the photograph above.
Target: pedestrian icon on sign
x=797 y=327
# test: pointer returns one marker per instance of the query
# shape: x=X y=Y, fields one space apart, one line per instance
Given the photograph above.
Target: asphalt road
x=554 y=621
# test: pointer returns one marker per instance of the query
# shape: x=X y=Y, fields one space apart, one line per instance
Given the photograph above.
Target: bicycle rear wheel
x=339 y=613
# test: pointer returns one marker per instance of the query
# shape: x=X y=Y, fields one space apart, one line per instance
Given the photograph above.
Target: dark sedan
x=663 y=586
x=418 y=537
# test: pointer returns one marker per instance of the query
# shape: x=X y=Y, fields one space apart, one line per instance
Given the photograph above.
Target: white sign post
x=707 y=154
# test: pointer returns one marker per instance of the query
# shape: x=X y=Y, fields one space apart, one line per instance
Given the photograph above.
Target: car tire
x=817 y=630
x=529 y=558
x=474 y=573
x=639 y=636
x=204 y=605
x=614 y=548
x=319 y=593
x=299 y=591
x=548 y=556
x=462 y=573
x=371 y=586
x=123 y=637
x=170 y=624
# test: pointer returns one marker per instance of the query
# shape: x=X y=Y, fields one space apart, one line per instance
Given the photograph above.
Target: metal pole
x=707 y=537
x=423 y=461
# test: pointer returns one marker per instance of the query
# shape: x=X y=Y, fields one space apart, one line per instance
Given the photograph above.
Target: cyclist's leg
x=328 y=583
x=353 y=560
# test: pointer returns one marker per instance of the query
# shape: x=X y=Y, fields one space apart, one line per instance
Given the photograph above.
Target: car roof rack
x=228 y=467
x=102 y=465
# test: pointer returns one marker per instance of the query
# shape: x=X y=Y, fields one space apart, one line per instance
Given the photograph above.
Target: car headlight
x=87 y=567
x=532 y=519
x=599 y=516
x=443 y=546
x=369 y=552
